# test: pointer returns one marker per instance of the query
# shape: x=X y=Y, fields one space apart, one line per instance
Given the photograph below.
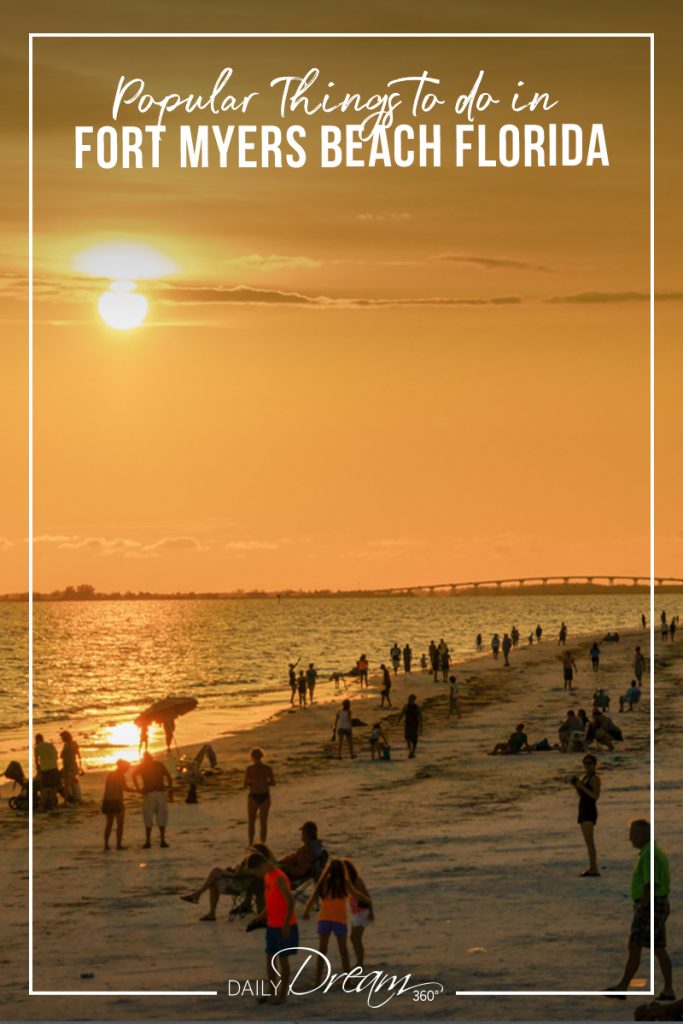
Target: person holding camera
x=588 y=788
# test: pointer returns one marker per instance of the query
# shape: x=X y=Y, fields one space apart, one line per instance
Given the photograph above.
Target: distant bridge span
x=525 y=582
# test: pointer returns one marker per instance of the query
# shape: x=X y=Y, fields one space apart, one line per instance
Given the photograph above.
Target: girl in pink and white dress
x=360 y=906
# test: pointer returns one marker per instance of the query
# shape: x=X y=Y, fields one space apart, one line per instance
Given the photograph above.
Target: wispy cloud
x=252 y=545
x=272 y=263
x=5 y=544
x=397 y=542
x=200 y=294
x=608 y=297
x=124 y=546
x=492 y=262
x=378 y=217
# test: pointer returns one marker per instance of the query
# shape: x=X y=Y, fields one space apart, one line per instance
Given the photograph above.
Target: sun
x=121 y=307
x=123 y=263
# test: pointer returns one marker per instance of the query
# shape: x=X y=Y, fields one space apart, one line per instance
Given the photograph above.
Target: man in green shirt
x=641 y=894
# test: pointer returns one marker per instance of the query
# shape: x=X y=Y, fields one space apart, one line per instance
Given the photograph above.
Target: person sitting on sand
x=517 y=742
x=222 y=880
x=112 y=803
x=343 y=728
x=378 y=741
x=588 y=788
x=258 y=778
x=631 y=697
x=601 y=699
x=300 y=864
x=571 y=724
x=605 y=730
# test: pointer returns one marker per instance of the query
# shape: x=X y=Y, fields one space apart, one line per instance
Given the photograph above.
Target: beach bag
x=386 y=753
x=542 y=745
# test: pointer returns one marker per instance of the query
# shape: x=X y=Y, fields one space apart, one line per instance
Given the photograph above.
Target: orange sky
x=329 y=392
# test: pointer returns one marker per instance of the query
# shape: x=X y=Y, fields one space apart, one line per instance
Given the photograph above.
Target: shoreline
x=494 y=831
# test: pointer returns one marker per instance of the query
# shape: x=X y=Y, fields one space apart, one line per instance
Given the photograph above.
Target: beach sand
x=472 y=861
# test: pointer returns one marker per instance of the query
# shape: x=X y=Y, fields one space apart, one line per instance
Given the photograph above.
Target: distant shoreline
x=487 y=590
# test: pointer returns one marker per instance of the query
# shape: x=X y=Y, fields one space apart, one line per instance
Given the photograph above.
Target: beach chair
x=301 y=887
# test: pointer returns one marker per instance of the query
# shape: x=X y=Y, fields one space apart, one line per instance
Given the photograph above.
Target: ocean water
x=98 y=664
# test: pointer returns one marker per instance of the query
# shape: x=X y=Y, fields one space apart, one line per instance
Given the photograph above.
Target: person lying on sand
x=517 y=742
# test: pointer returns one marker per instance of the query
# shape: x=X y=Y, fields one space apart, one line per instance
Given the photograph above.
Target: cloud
x=607 y=297
x=378 y=217
x=171 y=294
x=269 y=264
x=493 y=263
x=5 y=544
x=121 y=545
x=251 y=545
x=397 y=542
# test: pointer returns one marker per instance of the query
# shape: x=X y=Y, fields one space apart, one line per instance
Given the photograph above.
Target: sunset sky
x=354 y=377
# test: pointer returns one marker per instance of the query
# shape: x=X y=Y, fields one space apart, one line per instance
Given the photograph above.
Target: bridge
x=520 y=584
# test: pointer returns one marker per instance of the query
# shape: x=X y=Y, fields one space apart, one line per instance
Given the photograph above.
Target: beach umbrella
x=166 y=710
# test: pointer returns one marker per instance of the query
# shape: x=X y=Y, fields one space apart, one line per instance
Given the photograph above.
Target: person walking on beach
x=453 y=705
x=588 y=788
x=360 y=906
x=495 y=645
x=378 y=742
x=643 y=621
x=673 y=627
x=539 y=633
x=407 y=658
x=301 y=686
x=72 y=767
x=258 y=778
x=478 y=643
x=638 y=665
x=665 y=627
x=45 y=755
x=157 y=790
x=363 y=670
x=507 y=644
x=568 y=669
x=412 y=715
x=311 y=679
x=282 y=931
x=386 y=687
x=562 y=638
x=445 y=662
x=113 y=808
x=332 y=890
x=595 y=656
x=434 y=657
x=292 y=678
x=642 y=893
x=343 y=729
x=395 y=655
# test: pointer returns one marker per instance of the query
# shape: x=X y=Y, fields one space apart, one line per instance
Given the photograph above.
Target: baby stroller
x=15 y=772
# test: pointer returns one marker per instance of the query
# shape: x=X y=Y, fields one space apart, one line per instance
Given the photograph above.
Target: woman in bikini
x=588 y=788
x=258 y=778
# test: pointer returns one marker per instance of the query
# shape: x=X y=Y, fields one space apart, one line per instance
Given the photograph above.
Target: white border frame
x=342 y=35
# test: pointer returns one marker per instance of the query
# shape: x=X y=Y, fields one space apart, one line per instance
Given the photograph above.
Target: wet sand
x=473 y=861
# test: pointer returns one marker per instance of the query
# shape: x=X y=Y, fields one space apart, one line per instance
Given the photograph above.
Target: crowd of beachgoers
x=267 y=887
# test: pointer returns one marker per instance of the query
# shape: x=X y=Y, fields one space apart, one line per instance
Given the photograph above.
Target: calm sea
x=96 y=665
